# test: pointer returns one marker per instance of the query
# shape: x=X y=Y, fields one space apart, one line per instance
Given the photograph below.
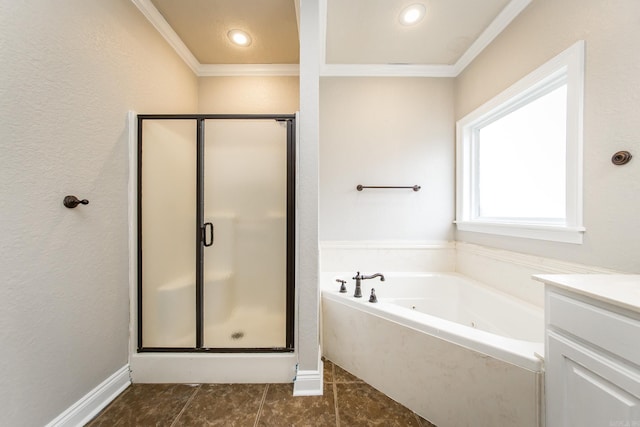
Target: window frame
x=567 y=67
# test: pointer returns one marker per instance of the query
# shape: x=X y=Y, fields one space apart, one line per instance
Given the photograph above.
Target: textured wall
x=70 y=71
x=248 y=95
x=386 y=131
x=612 y=91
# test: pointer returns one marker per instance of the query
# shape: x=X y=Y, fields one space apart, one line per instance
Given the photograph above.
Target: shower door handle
x=204 y=234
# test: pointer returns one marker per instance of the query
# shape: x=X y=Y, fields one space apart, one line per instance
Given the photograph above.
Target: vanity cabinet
x=592 y=359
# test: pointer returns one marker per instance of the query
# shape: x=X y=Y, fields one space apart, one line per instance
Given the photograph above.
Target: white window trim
x=569 y=63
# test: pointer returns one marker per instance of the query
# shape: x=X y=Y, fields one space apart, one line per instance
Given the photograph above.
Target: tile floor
x=347 y=401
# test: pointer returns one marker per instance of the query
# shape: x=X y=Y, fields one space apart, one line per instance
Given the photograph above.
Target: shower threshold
x=199 y=368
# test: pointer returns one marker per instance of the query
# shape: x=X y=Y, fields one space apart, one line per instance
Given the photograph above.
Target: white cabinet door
x=586 y=388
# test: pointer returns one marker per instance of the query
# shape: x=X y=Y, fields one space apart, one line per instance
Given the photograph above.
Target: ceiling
x=357 y=33
x=369 y=31
x=203 y=26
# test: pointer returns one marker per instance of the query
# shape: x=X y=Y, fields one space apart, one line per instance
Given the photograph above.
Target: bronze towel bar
x=361 y=187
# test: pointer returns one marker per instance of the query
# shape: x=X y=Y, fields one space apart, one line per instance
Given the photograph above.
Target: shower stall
x=216 y=233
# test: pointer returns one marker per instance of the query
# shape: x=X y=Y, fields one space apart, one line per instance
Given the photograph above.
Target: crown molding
x=503 y=19
x=296 y=5
x=498 y=25
x=386 y=70
x=157 y=20
x=218 y=70
x=208 y=70
x=322 y=16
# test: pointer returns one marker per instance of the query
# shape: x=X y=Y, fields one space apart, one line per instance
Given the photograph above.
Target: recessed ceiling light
x=239 y=38
x=412 y=14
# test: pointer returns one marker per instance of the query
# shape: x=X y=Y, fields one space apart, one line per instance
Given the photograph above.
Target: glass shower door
x=245 y=203
x=167 y=227
x=216 y=210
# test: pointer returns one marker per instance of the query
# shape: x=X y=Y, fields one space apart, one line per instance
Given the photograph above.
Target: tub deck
x=453 y=373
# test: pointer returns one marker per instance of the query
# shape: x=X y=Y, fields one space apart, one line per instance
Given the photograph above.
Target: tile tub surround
x=347 y=401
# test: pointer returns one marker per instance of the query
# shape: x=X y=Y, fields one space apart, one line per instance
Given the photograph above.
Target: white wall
x=612 y=91
x=386 y=131
x=71 y=69
x=248 y=95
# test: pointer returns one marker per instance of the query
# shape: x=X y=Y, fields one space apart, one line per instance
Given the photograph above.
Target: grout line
x=264 y=397
x=335 y=403
x=335 y=393
x=186 y=405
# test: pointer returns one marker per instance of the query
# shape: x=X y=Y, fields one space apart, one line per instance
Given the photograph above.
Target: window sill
x=553 y=233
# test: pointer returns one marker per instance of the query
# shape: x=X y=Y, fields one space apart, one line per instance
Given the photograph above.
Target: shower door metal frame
x=199 y=119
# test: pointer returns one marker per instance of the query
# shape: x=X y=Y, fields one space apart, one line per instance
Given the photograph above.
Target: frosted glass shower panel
x=168 y=246
x=245 y=198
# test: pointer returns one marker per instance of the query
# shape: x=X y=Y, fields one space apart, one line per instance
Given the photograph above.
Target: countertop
x=622 y=290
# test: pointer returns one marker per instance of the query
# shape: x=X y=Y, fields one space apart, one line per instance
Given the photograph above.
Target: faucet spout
x=373 y=276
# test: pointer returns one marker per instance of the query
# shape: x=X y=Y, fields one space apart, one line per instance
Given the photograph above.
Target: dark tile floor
x=347 y=401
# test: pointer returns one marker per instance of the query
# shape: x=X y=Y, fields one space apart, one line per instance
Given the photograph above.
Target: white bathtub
x=455 y=351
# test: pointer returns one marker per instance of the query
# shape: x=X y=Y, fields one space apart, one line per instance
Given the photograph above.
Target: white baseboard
x=309 y=383
x=93 y=402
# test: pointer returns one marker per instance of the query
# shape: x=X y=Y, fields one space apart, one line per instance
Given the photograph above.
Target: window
x=519 y=156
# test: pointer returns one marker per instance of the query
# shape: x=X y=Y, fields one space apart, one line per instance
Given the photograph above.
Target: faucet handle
x=343 y=288
x=373 y=297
